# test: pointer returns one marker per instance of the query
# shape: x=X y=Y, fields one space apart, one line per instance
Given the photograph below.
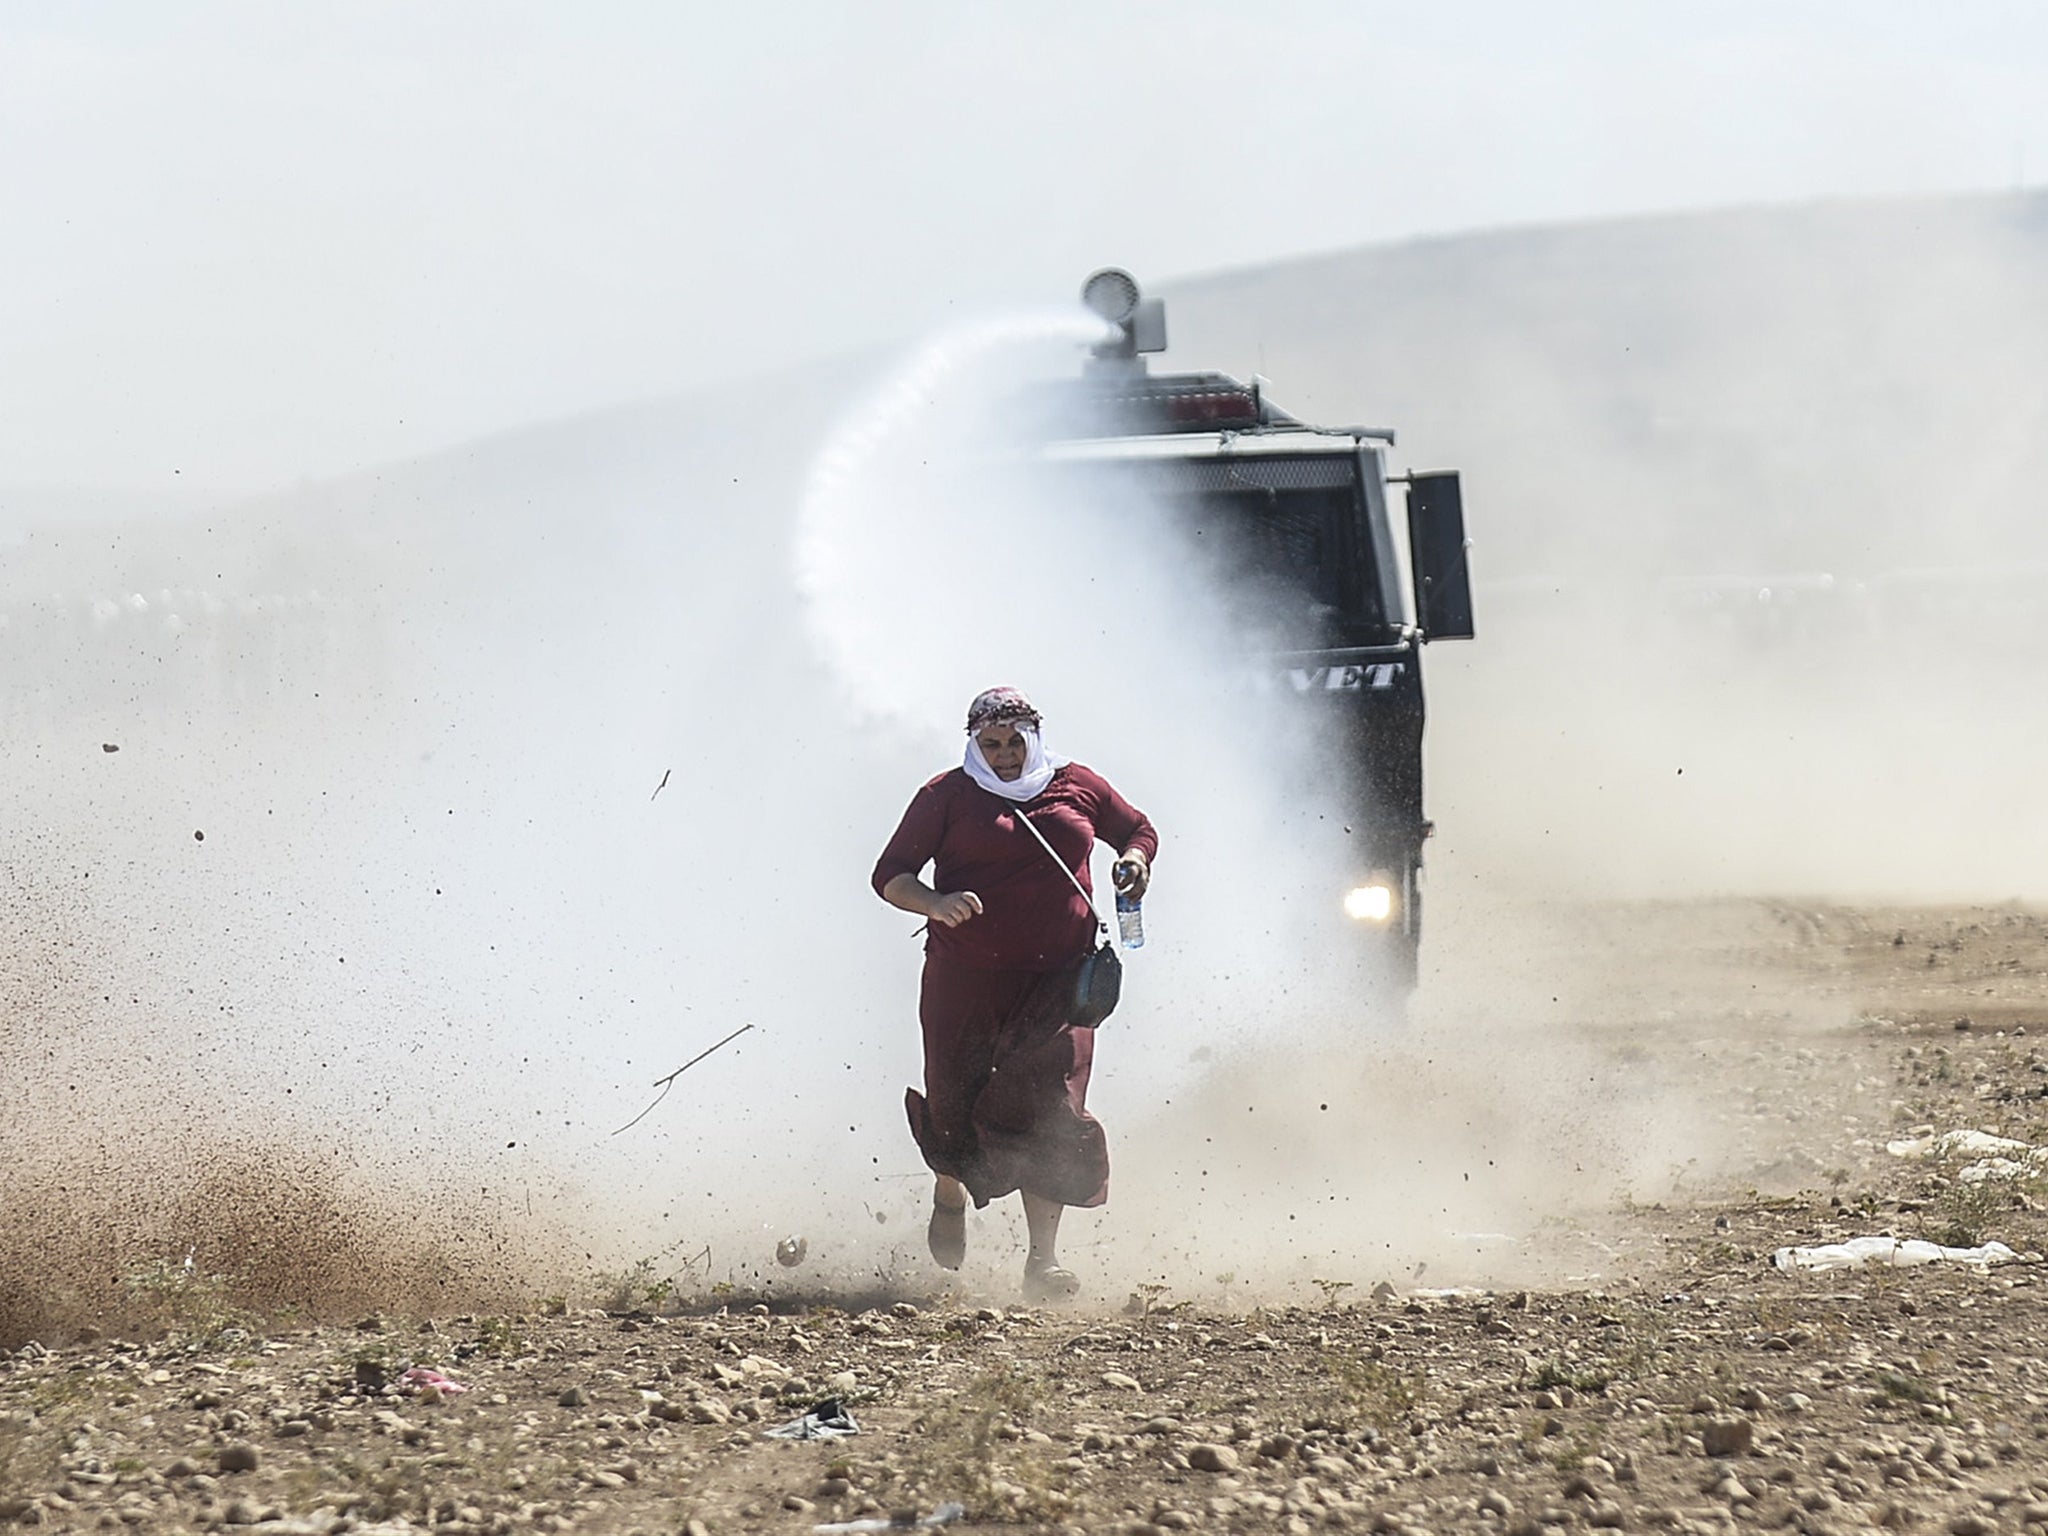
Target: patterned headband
x=1001 y=706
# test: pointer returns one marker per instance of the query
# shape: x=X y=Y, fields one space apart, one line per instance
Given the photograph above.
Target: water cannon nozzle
x=1138 y=323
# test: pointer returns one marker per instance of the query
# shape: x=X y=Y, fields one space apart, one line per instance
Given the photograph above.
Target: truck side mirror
x=1436 y=545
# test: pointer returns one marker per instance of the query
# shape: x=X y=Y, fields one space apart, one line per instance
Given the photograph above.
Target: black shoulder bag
x=1099 y=981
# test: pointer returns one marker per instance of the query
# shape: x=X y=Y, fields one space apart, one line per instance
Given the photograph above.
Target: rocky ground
x=1697 y=1387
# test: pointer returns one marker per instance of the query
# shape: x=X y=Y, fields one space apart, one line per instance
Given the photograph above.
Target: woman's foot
x=946 y=1235
x=1050 y=1282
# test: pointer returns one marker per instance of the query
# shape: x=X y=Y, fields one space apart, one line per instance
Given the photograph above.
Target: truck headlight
x=1372 y=903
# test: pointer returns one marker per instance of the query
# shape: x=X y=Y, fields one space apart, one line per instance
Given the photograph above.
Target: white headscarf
x=1039 y=766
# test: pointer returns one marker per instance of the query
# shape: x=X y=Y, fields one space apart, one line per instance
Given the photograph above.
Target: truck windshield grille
x=1288 y=563
x=1283 y=539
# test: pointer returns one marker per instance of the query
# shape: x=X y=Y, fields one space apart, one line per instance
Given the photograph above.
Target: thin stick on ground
x=666 y=1083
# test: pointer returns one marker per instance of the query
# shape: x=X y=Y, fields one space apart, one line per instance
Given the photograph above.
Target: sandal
x=1051 y=1284
x=946 y=1235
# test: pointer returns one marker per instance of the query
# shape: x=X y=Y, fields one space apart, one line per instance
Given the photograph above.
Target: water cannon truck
x=1354 y=569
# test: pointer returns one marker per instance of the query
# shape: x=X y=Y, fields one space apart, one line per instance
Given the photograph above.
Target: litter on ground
x=1970 y=1143
x=430 y=1384
x=945 y=1514
x=828 y=1421
x=1997 y=1157
x=1892 y=1252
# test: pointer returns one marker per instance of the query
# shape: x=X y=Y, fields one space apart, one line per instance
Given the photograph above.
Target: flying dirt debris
x=1675 y=1378
x=666 y=1083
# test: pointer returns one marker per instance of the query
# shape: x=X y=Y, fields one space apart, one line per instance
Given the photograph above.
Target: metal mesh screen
x=1282 y=536
x=1285 y=546
x=1197 y=476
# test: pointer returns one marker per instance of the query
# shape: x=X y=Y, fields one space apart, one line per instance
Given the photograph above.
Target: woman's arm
x=913 y=895
x=1130 y=831
x=915 y=845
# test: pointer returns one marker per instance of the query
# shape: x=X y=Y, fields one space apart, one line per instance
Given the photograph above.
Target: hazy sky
x=246 y=241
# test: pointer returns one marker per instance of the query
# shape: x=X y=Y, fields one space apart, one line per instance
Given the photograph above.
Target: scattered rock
x=239 y=1456
x=1732 y=1489
x=1728 y=1437
x=1238 y=1430
x=1208 y=1457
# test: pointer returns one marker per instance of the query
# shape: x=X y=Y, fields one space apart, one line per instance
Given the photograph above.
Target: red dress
x=1006 y=1077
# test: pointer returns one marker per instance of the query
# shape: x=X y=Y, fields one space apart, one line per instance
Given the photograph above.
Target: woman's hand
x=954 y=908
x=913 y=895
x=1131 y=874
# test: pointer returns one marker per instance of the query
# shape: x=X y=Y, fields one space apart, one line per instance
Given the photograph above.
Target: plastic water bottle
x=1130 y=921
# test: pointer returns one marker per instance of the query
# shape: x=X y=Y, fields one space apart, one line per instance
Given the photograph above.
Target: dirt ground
x=1694 y=1387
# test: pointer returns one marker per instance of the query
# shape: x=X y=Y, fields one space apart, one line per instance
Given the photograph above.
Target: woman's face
x=1002 y=748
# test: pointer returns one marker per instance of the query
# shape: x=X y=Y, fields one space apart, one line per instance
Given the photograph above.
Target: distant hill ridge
x=1813 y=386
x=1803 y=384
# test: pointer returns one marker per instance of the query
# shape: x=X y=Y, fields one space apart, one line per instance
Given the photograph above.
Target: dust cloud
x=1761 y=596
x=1755 y=497
x=1281 y=1120
x=452 y=807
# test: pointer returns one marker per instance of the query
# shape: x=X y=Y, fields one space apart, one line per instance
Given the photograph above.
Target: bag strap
x=1072 y=879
